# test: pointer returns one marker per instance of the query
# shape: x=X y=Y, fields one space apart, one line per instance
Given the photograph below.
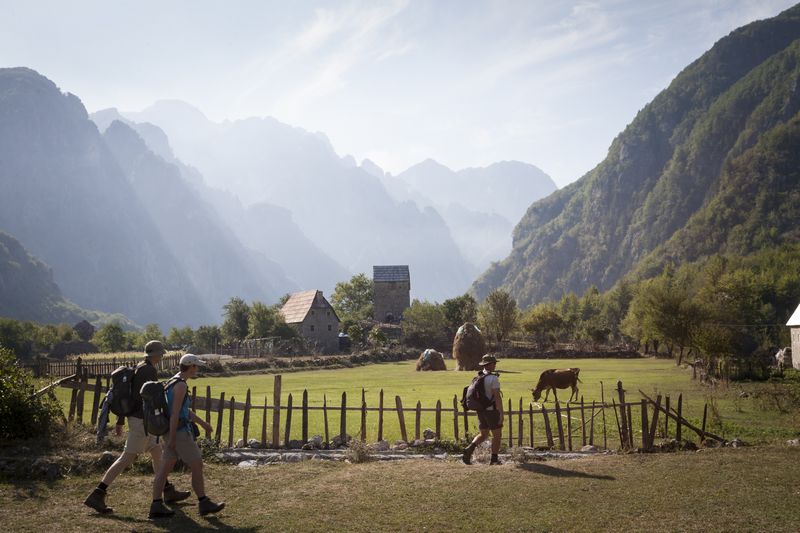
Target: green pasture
x=730 y=414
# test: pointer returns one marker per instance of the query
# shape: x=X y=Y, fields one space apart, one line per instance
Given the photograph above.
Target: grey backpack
x=154 y=406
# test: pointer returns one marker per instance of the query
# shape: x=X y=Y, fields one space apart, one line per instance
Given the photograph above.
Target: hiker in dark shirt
x=137 y=441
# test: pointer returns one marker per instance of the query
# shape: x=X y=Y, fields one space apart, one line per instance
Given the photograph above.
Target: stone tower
x=392 y=292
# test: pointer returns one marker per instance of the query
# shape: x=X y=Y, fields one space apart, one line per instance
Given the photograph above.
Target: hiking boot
x=97 y=501
x=159 y=510
x=172 y=495
x=495 y=462
x=207 y=506
x=467 y=457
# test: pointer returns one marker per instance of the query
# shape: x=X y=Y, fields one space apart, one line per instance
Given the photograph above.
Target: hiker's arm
x=498 y=401
x=202 y=423
x=177 y=401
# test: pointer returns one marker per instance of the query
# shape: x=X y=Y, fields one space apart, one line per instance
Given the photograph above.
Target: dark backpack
x=474 y=396
x=122 y=403
x=154 y=406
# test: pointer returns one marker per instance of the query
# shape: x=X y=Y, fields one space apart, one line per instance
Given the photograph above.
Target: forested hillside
x=710 y=165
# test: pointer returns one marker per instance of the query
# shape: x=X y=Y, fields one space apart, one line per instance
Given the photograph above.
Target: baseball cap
x=191 y=359
x=487 y=360
x=154 y=348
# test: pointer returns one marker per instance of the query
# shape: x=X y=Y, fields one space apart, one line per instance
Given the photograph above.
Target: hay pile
x=431 y=360
x=468 y=347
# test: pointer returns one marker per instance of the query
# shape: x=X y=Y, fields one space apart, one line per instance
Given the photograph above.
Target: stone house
x=392 y=292
x=314 y=318
x=794 y=328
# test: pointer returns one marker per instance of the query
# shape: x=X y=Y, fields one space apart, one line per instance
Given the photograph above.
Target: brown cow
x=557 y=379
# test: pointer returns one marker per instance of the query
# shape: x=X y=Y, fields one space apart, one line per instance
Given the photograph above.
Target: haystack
x=431 y=360
x=468 y=347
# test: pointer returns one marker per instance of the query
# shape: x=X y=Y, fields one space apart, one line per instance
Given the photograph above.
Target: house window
x=329 y=327
x=312 y=327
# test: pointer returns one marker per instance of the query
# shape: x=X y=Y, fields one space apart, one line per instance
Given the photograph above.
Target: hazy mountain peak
x=373 y=169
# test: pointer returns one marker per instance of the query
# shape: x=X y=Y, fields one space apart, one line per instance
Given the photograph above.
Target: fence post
x=560 y=426
x=417 y=418
x=530 y=422
x=276 y=413
x=232 y=409
x=264 y=424
x=363 y=416
x=630 y=426
x=666 y=418
x=246 y=417
x=705 y=414
x=583 y=423
x=654 y=425
x=466 y=425
x=288 y=434
x=194 y=395
x=622 y=439
x=680 y=418
x=304 y=422
x=343 y=420
x=455 y=418
x=96 y=400
x=510 y=419
x=645 y=426
x=82 y=379
x=519 y=424
x=325 y=417
x=623 y=418
x=220 y=410
x=73 y=400
x=569 y=426
x=438 y=419
x=401 y=418
x=380 y=416
x=548 y=431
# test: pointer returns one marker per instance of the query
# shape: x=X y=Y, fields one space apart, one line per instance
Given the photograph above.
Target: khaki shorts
x=185 y=448
x=489 y=419
x=137 y=442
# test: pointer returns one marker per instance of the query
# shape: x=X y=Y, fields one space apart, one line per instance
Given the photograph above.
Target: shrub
x=21 y=415
x=357 y=452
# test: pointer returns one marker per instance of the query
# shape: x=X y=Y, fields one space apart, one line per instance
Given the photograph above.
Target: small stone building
x=392 y=292
x=794 y=325
x=314 y=318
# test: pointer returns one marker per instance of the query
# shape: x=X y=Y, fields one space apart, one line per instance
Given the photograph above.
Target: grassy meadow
x=742 y=410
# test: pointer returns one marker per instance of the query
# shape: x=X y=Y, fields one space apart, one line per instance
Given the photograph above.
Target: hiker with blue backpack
x=125 y=401
x=483 y=395
x=180 y=440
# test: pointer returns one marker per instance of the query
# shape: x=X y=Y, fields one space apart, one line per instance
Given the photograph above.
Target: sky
x=466 y=83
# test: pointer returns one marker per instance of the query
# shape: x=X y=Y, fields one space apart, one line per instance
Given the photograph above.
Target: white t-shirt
x=491 y=384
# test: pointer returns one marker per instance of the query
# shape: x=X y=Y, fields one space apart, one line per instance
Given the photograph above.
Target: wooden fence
x=94 y=368
x=562 y=427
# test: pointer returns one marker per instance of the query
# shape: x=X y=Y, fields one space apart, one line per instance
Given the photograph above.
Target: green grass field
x=730 y=415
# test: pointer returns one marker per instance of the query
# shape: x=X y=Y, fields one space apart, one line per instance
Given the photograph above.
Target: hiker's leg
x=155 y=454
x=497 y=436
x=198 y=483
x=123 y=461
x=167 y=464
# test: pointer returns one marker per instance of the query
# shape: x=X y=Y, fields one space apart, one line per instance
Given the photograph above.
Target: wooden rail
x=582 y=420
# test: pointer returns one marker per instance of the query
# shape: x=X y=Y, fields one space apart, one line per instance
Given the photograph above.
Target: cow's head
x=537 y=393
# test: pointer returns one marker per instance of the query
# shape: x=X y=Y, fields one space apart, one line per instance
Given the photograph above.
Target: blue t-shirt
x=184 y=422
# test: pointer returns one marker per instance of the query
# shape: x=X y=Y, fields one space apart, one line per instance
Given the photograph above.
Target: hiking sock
x=494 y=458
x=158 y=500
x=102 y=486
x=167 y=483
x=202 y=498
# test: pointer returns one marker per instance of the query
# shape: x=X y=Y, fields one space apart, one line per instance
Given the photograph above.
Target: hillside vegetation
x=709 y=166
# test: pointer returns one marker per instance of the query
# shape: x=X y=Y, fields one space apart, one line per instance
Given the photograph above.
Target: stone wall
x=321 y=327
x=391 y=298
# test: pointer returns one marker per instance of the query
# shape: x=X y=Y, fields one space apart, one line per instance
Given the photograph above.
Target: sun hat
x=487 y=360
x=154 y=348
x=191 y=359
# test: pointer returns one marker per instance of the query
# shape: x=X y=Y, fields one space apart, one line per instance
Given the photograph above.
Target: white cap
x=191 y=359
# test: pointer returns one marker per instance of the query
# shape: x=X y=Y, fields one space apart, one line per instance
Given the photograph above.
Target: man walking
x=181 y=442
x=491 y=418
x=136 y=442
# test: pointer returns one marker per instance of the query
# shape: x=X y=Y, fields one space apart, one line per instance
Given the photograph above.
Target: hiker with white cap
x=180 y=442
x=490 y=418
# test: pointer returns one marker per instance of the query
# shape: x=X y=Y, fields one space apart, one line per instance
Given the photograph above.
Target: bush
x=21 y=416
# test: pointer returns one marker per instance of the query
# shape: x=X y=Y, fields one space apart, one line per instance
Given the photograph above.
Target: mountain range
x=709 y=166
